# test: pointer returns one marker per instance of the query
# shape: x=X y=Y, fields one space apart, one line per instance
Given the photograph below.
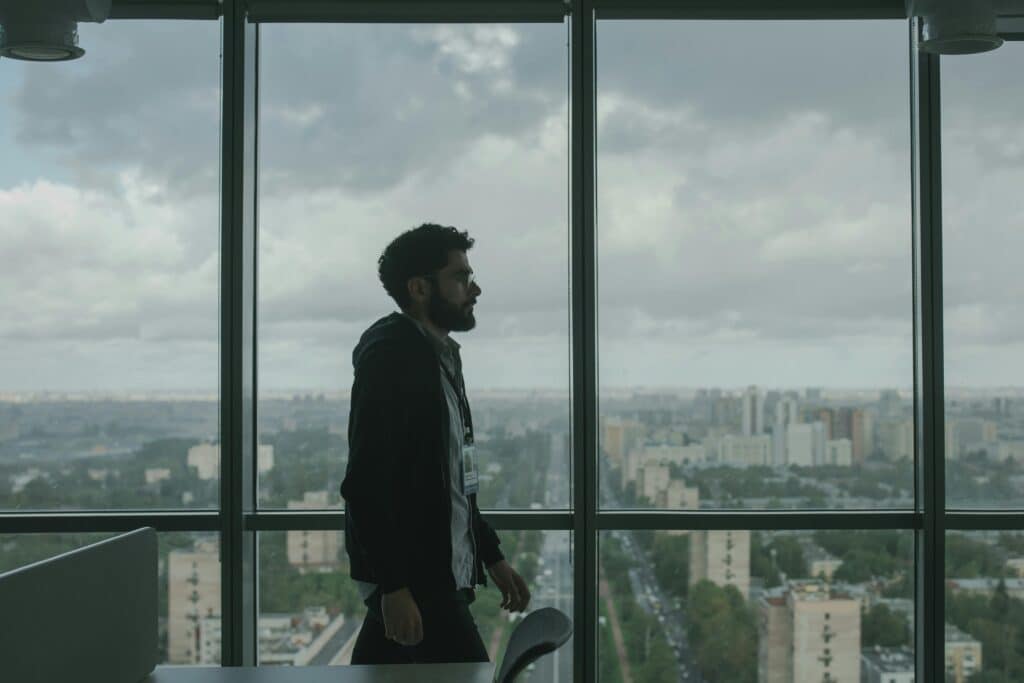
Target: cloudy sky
x=754 y=208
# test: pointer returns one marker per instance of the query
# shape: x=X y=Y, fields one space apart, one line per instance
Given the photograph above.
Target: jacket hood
x=394 y=327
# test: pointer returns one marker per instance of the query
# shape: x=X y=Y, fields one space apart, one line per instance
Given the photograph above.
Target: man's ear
x=419 y=288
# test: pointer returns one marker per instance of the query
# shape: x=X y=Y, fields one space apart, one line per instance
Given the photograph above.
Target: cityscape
x=711 y=606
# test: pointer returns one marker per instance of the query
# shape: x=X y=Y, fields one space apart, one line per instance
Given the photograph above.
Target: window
x=463 y=125
x=754 y=240
x=110 y=286
x=983 y=213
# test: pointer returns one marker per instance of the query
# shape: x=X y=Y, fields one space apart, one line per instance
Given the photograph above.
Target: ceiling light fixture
x=46 y=30
x=956 y=27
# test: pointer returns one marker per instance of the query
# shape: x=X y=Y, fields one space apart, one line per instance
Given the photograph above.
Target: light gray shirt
x=462 y=528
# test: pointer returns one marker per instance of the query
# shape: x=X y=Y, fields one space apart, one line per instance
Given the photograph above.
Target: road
x=555 y=588
x=653 y=600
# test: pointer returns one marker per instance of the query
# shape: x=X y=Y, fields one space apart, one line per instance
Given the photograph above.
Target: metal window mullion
x=583 y=289
x=405 y=11
x=250 y=564
x=759 y=520
x=165 y=9
x=984 y=520
x=89 y=521
x=928 y=349
x=750 y=9
x=236 y=550
x=334 y=520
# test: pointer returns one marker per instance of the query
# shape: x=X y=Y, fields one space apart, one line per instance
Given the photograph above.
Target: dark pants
x=449 y=634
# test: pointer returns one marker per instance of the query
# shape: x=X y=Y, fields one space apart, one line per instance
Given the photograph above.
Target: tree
x=672 y=563
x=761 y=563
x=723 y=632
x=790 y=557
x=881 y=626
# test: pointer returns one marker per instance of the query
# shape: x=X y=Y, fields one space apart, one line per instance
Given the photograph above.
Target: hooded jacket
x=396 y=486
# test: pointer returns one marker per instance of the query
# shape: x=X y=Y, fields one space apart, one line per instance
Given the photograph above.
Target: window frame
x=238 y=518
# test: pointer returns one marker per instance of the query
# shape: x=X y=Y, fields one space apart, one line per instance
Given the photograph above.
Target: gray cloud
x=392 y=102
x=753 y=218
x=146 y=98
x=750 y=75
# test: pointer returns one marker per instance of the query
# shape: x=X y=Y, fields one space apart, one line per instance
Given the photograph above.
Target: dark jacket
x=396 y=486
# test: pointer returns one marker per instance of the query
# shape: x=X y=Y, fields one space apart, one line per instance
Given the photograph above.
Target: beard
x=448 y=316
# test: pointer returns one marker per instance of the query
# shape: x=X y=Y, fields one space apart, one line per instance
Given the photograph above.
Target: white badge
x=470 y=477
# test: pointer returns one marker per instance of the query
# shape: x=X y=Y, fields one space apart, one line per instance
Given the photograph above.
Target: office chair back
x=542 y=631
x=85 y=615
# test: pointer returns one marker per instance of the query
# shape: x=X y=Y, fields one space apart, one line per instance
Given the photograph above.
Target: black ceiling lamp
x=46 y=30
x=956 y=27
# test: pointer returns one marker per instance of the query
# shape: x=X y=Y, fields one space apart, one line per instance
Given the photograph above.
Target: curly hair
x=416 y=252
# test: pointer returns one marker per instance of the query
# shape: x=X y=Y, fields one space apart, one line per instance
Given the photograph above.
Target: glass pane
x=110 y=282
x=311 y=610
x=983 y=231
x=461 y=125
x=984 y=606
x=188 y=588
x=746 y=606
x=754 y=242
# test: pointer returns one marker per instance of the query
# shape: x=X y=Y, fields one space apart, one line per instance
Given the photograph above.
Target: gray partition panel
x=387 y=673
x=87 y=615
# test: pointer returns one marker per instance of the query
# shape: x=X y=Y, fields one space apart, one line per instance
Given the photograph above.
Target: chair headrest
x=541 y=631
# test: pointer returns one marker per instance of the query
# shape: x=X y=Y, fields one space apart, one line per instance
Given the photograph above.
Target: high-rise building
x=809 y=633
x=805 y=444
x=775 y=640
x=193 y=594
x=679 y=496
x=652 y=482
x=896 y=439
x=620 y=435
x=660 y=454
x=863 y=436
x=313 y=550
x=847 y=423
x=753 y=412
x=726 y=411
x=838 y=452
x=963 y=655
x=787 y=412
x=966 y=435
x=743 y=451
x=721 y=557
x=889 y=402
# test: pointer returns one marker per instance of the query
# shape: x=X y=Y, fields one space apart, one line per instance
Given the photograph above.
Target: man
x=416 y=542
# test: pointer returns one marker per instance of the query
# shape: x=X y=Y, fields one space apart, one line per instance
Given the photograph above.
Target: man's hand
x=515 y=595
x=402 y=621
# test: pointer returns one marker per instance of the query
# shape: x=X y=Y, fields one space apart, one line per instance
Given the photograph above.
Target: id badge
x=470 y=476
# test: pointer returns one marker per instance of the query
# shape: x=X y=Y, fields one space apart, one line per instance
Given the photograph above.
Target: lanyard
x=460 y=390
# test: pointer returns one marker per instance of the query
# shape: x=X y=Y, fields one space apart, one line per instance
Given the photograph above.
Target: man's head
x=426 y=272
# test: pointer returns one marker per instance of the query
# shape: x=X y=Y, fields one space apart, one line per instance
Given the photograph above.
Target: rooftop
x=889 y=660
